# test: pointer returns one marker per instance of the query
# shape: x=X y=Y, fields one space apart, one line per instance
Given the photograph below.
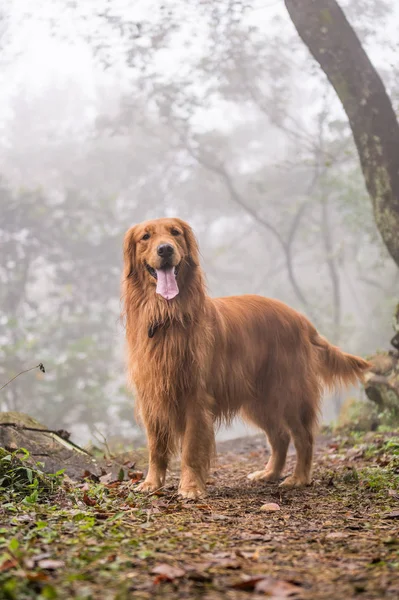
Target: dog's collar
x=153 y=327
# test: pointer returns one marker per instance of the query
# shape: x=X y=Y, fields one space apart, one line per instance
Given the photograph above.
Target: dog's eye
x=175 y=232
x=146 y=236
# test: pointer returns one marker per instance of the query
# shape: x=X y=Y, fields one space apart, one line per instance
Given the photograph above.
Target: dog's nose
x=165 y=250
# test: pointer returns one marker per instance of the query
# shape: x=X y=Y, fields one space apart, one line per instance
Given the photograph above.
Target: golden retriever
x=196 y=361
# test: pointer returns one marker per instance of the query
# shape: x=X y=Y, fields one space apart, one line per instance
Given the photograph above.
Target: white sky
x=34 y=59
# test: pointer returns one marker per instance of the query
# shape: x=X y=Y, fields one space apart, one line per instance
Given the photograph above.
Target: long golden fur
x=195 y=360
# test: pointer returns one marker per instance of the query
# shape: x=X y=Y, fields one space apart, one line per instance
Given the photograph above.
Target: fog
x=112 y=113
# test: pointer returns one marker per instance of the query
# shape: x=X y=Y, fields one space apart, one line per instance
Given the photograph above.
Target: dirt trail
x=338 y=538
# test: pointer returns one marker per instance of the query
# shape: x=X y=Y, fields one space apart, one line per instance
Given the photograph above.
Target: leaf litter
x=102 y=539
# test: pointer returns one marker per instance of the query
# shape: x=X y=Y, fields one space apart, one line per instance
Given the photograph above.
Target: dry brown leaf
x=277 y=588
x=108 y=478
x=102 y=515
x=50 y=564
x=9 y=563
x=248 y=583
x=270 y=507
x=269 y=586
x=37 y=576
x=391 y=515
x=226 y=563
x=135 y=476
x=217 y=517
x=88 y=501
x=167 y=572
x=336 y=535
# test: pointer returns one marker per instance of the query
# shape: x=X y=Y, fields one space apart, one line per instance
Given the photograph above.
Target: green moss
x=325 y=17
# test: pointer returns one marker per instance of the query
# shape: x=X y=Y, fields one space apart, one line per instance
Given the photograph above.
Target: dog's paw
x=149 y=486
x=293 y=481
x=264 y=475
x=191 y=493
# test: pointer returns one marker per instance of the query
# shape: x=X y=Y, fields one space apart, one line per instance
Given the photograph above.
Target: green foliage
x=19 y=480
x=60 y=272
x=379 y=479
x=358 y=415
x=364 y=415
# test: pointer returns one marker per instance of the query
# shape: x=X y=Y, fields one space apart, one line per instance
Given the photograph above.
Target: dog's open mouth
x=153 y=272
x=166 y=280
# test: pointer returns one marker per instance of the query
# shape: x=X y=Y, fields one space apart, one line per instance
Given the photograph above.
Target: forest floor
x=338 y=538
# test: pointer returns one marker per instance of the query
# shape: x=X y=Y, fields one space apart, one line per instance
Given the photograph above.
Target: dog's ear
x=192 y=244
x=129 y=253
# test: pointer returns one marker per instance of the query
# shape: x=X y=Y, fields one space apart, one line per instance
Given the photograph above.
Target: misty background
x=115 y=112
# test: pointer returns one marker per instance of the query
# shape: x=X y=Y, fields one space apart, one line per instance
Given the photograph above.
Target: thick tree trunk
x=324 y=29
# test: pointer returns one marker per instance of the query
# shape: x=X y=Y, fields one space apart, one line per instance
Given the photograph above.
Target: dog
x=197 y=361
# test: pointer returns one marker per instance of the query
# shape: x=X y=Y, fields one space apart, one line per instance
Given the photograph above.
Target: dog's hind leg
x=302 y=424
x=279 y=439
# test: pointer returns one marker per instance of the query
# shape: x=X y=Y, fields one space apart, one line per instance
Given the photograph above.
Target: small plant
x=24 y=480
x=378 y=479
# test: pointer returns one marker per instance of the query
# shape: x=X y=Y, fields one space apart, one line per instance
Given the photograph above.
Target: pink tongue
x=166 y=283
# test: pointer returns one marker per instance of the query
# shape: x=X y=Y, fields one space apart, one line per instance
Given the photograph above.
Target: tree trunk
x=324 y=29
x=382 y=381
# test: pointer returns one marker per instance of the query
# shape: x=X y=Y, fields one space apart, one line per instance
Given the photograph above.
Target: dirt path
x=338 y=538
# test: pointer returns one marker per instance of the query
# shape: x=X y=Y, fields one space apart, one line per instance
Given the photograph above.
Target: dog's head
x=160 y=253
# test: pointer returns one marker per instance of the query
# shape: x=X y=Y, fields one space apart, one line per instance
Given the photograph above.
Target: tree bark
x=324 y=29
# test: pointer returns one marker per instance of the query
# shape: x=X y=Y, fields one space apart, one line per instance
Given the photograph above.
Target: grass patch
x=22 y=481
x=378 y=479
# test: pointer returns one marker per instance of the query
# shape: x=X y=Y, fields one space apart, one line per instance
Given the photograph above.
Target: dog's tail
x=337 y=367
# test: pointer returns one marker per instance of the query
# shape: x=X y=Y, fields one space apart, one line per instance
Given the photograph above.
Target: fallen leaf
x=37 y=576
x=9 y=563
x=135 y=476
x=253 y=537
x=41 y=556
x=168 y=572
x=199 y=576
x=24 y=518
x=392 y=515
x=103 y=515
x=205 y=507
x=161 y=579
x=88 y=501
x=108 y=478
x=277 y=588
x=270 y=507
x=227 y=563
x=254 y=555
x=50 y=564
x=336 y=535
x=28 y=563
x=88 y=475
x=219 y=555
x=216 y=517
x=247 y=584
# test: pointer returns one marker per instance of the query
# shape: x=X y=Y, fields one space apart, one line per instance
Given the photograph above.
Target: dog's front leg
x=158 y=446
x=198 y=445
